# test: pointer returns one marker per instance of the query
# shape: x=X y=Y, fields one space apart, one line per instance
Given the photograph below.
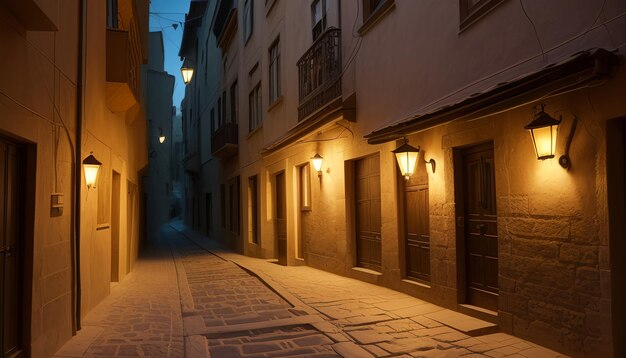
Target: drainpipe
x=78 y=161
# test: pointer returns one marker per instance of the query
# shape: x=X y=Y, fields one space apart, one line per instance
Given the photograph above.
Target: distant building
x=70 y=87
x=488 y=224
x=177 y=169
x=159 y=103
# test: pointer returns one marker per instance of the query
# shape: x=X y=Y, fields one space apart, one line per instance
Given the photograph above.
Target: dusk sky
x=168 y=16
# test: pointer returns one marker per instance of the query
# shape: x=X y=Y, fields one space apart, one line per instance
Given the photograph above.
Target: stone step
x=463 y=323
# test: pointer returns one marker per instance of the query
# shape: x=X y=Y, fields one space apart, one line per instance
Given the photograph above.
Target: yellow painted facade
x=55 y=106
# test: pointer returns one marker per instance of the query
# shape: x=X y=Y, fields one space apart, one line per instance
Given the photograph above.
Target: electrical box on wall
x=56 y=204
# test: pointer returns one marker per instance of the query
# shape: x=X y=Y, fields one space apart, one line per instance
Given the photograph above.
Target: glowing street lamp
x=161 y=135
x=543 y=131
x=406 y=156
x=187 y=72
x=91 y=165
x=317 y=161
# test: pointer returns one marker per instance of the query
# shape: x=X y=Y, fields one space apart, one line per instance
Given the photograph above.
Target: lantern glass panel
x=91 y=173
x=544 y=140
x=317 y=163
x=187 y=74
x=406 y=162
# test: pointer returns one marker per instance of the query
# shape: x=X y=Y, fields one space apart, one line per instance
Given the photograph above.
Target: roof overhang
x=581 y=69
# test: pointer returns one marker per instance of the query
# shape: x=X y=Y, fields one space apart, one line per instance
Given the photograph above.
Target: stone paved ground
x=141 y=316
x=229 y=312
x=366 y=320
x=195 y=299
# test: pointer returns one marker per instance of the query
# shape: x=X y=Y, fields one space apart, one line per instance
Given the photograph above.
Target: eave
x=581 y=69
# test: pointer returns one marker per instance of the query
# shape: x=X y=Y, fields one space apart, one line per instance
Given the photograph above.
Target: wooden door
x=130 y=215
x=281 y=218
x=417 y=240
x=480 y=227
x=11 y=249
x=368 y=223
x=115 y=227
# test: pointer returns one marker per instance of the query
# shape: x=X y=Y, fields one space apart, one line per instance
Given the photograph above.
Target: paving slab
x=351 y=350
x=463 y=323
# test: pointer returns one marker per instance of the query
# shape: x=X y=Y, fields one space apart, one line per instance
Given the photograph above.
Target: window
x=369 y=7
x=247 y=20
x=224 y=108
x=212 y=120
x=223 y=204
x=209 y=213
x=233 y=206
x=319 y=8
x=253 y=210
x=274 y=71
x=219 y=113
x=234 y=103
x=305 y=187
x=374 y=10
x=254 y=102
x=112 y=14
x=472 y=10
x=206 y=62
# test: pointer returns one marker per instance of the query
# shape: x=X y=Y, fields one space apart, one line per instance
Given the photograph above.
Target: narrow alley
x=187 y=297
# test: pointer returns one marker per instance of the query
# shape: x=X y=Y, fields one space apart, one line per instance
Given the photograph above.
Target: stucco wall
x=119 y=142
x=37 y=95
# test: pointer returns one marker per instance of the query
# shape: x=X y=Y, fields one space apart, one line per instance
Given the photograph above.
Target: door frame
x=28 y=153
x=461 y=287
x=275 y=215
x=616 y=187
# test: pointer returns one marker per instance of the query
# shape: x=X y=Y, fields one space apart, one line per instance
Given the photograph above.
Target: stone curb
x=186 y=300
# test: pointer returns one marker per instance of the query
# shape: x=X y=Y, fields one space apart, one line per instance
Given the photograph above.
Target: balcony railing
x=319 y=73
x=225 y=140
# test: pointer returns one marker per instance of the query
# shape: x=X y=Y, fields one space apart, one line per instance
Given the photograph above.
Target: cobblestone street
x=187 y=297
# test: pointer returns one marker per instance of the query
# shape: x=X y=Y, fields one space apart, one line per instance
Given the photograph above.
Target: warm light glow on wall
x=543 y=131
x=406 y=156
x=91 y=165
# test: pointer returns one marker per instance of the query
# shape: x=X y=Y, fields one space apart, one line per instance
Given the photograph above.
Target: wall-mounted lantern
x=187 y=72
x=161 y=135
x=543 y=131
x=406 y=155
x=91 y=165
x=317 y=161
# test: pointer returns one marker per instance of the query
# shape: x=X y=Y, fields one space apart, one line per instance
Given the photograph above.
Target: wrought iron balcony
x=225 y=140
x=319 y=73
